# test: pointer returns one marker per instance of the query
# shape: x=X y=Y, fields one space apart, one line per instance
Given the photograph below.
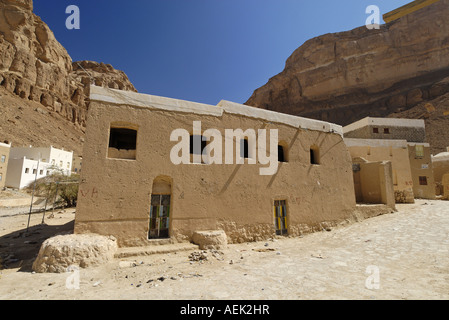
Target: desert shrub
x=69 y=194
x=57 y=187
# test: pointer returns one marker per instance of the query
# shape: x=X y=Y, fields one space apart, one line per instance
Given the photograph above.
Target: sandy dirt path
x=404 y=255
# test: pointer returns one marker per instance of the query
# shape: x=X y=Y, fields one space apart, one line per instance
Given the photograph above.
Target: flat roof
x=351 y=142
x=443 y=156
x=120 y=97
x=424 y=144
x=392 y=122
x=40 y=148
x=5 y=145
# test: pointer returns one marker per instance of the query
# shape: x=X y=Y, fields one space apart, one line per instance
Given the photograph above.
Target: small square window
x=27 y=170
x=281 y=154
x=195 y=142
x=122 y=143
x=375 y=130
x=423 y=181
x=198 y=144
x=244 y=151
x=314 y=156
x=386 y=130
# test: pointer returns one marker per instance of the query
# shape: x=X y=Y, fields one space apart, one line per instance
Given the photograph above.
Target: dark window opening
x=314 y=156
x=375 y=130
x=197 y=148
x=387 y=130
x=122 y=144
x=423 y=181
x=282 y=157
x=194 y=143
x=123 y=139
x=244 y=152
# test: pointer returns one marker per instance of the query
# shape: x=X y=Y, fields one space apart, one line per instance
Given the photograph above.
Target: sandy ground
x=404 y=255
x=21 y=201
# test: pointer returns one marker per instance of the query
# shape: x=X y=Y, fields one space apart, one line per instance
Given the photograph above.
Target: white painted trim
x=392 y=122
x=350 y=142
x=119 y=97
x=412 y=144
x=443 y=156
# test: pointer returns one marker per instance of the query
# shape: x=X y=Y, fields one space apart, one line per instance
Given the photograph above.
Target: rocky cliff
x=36 y=68
x=346 y=76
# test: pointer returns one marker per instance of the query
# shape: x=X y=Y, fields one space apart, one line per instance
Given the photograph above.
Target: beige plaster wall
x=422 y=167
x=445 y=184
x=114 y=196
x=374 y=182
x=440 y=168
x=386 y=183
x=4 y=151
x=399 y=157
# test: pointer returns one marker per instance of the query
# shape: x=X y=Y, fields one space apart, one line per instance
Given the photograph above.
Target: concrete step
x=156 y=249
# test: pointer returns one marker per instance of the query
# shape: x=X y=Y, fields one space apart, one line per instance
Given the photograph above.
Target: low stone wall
x=404 y=196
x=363 y=212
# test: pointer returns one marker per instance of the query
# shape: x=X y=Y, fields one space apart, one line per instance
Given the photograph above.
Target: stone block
x=208 y=240
x=60 y=252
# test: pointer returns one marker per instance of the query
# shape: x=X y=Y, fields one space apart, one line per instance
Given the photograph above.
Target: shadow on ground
x=19 y=249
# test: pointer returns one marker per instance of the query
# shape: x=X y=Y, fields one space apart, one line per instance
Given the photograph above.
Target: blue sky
x=200 y=50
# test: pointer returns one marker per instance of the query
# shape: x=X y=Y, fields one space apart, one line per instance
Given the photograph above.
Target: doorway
x=160 y=209
x=160 y=217
x=280 y=217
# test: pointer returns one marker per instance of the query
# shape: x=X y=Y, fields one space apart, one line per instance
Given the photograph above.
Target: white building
x=27 y=164
x=76 y=164
x=4 y=156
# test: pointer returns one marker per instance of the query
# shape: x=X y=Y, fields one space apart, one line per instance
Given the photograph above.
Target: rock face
x=100 y=74
x=346 y=76
x=36 y=67
x=59 y=253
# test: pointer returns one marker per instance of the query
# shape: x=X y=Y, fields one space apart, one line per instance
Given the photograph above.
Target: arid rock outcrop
x=99 y=74
x=36 y=67
x=346 y=76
